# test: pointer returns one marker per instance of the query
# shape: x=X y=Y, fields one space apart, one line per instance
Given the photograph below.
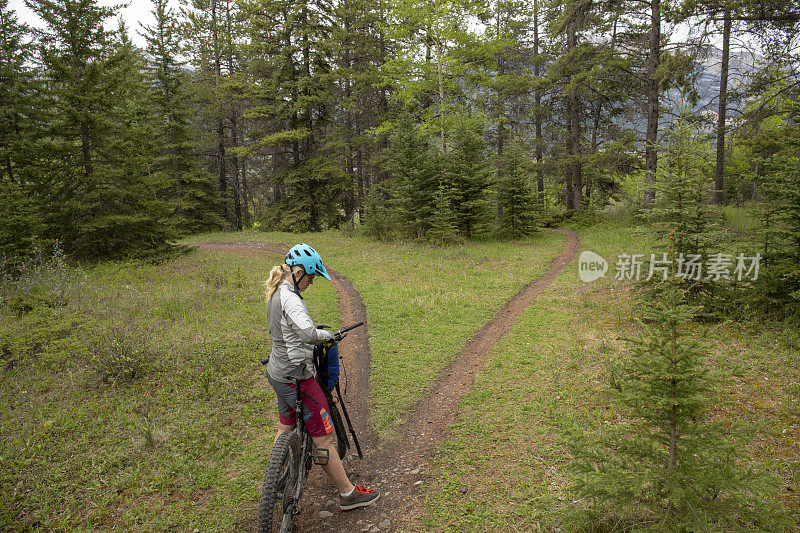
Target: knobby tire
x=281 y=478
x=342 y=442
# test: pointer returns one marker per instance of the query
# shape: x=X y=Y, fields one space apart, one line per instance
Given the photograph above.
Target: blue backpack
x=326 y=361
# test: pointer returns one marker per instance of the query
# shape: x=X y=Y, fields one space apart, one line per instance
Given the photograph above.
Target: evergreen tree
x=668 y=467
x=132 y=217
x=291 y=94
x=468 y=177
x=570 y=69
x=208 y=41
x=192 y=196
x=96 y=144
x=777 y=288
x=19 y=225
x=443 y=229
x=516 y=199
x=379 y=219
x=416 y=179
x=502 y=55
x=15 y=87
x=681 y=213
x=781 y=16
x=682 y=189
x=359 y=50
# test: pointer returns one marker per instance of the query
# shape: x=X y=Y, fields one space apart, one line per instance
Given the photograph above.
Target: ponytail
x=276 y=276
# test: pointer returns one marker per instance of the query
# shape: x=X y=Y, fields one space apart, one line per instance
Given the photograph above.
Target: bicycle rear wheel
x=279 y=483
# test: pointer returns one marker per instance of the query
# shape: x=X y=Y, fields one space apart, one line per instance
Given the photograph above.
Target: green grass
x=183 y=445
x=503 y=468
x=423 y=303
x=182 y=442
x=741 y=220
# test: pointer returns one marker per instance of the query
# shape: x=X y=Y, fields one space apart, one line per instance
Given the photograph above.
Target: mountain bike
x=291 y=460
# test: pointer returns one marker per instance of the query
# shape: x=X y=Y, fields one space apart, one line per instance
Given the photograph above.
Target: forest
x=433 y=121
x=428 y=120
x=446 y=157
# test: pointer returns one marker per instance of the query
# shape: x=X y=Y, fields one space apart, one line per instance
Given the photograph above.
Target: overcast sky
x=139 y=11
x=136 y=12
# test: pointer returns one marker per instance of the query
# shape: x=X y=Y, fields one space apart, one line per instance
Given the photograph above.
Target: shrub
x=668 y=467
x=519 y=209
x=778 y=288
x=40 y=279
x=122 y=355
x=379 y=222
x=415 y=171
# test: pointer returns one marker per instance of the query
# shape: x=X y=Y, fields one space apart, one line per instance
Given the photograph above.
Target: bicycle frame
x=300 y=463
x=306 y=453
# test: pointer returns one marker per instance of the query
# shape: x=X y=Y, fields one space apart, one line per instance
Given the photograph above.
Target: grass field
x=423 y=303
x=141 y=404
x=503 y=469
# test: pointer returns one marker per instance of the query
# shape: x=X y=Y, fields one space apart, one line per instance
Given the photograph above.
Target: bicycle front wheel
x=342 y=442
x=274 y=513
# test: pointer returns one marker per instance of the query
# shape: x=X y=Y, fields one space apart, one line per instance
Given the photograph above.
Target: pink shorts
x=315 y=406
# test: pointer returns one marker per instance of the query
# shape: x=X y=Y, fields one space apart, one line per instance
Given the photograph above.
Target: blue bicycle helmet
x=308 y=258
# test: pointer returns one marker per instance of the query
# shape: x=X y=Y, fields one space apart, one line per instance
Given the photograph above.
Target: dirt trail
x=356 y=357
x=355 y=350
x=396 y=468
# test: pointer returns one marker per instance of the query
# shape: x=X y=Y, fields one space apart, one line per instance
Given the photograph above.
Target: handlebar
x=337 y=335
x=342 y=333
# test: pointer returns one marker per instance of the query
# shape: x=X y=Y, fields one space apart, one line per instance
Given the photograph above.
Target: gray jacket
x=293 y=334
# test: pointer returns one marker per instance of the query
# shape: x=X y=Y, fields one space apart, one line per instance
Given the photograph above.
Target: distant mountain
x=742 y=63
x=707 y=79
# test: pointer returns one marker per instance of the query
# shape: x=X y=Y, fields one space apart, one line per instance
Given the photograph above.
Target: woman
x=293 y=336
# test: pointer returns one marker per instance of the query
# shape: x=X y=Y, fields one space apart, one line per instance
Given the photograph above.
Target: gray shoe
x=361 y=497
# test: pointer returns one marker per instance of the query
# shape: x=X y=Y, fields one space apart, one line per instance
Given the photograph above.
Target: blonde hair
x=276 y=276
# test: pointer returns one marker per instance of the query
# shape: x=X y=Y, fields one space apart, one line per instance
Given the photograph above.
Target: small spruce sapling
x=668 y=465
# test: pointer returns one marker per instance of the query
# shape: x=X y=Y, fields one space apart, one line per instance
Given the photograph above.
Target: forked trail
x=395 y=467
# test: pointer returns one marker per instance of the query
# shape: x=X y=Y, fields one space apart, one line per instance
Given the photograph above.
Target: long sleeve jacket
x=293 y=334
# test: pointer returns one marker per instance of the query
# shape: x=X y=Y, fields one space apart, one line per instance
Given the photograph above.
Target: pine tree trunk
x=501 y=133
x=596 y=125
x=221 y=163
x=537 y=96
x=653 y=91
x=383 y=102
x=310 y=140
x=719 y=173
x=440 y=76
x=236 y=189
x=350 y=201
x=673 y=415
x=9 y=162
x=577 y=170
x=222 y=173
x=361 y=182
x=246 y=220
x=426 y=98
x=573 y=130
x=569 y=194
x=237 y=192
x=86 y=152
